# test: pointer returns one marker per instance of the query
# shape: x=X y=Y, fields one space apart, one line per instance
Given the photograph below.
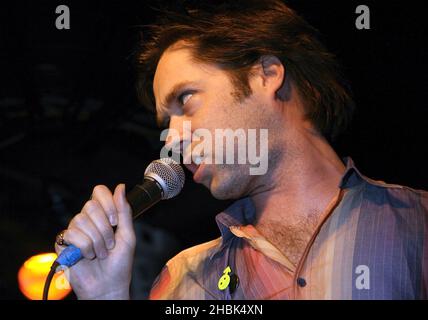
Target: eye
x=184 y=97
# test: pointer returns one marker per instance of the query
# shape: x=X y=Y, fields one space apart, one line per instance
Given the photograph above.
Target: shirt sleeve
x=161 y=285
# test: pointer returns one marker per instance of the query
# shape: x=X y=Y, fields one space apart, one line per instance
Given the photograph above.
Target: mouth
x=198 y=174
x=196 y=170
x=190 y=164
x=192 y=167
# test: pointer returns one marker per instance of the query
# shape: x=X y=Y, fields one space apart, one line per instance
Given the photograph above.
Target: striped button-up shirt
x=371 y=243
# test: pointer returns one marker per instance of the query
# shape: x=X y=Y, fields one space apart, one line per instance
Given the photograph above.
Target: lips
x=192 y=167
x=196 y=170
x=192 y=163
x=189 y=164
x=197 y=175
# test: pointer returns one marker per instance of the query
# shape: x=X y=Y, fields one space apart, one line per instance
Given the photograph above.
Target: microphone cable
x=49 y=278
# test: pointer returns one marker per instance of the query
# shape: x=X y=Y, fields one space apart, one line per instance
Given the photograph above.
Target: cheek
x=209 y=118
x=219 y=112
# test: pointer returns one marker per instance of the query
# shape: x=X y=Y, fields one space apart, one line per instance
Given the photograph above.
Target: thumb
x=124 y=212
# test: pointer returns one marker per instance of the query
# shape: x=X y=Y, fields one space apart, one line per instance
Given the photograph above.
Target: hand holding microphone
x=105 y=257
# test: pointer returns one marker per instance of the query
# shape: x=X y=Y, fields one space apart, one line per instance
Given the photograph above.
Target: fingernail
x=110 y=244
x=113 y=220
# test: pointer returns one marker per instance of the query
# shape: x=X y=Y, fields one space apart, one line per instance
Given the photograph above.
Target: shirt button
x=301 y=282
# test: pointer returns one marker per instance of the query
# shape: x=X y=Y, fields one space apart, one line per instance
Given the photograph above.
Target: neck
x=302 y=186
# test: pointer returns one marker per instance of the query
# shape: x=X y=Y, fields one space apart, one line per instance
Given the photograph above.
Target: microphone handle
x=144 y=196
x=140 y=198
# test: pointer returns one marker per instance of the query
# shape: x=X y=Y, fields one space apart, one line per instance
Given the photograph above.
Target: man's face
x=186 y=90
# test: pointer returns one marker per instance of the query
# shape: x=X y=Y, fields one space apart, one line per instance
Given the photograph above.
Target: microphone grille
x=169 y=174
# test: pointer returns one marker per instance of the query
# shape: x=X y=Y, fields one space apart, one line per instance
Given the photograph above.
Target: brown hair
x=235 y=36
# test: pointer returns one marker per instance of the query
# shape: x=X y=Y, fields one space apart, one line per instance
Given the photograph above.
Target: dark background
x=69 y=119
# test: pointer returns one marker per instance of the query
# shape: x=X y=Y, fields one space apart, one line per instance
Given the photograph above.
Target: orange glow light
x=32 y=276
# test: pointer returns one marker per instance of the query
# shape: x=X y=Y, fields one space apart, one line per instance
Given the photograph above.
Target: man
x=312 y=226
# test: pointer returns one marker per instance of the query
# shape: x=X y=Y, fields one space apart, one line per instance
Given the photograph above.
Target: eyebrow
x=174 y=93
x=170 y=97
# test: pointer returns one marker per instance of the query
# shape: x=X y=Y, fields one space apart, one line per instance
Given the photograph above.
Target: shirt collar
x=242 y=212
x=352 y=176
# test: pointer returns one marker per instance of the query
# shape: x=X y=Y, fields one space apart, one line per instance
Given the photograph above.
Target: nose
x=179 y=131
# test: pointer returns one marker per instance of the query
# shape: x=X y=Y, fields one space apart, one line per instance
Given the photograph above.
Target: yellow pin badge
x=228 y=279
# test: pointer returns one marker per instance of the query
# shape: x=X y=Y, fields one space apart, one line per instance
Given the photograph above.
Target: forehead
x=177 y=65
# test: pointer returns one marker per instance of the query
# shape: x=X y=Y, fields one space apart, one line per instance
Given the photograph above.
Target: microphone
x=163 y=179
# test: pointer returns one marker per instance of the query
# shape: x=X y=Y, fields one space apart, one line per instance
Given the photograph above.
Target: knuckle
x=104 y=200
x=70 y=235
x=90 y=206
x=98 y=189
x=73 y=237
x=86 y=245
x=97 y=239
x=106 y=231
x=79 y=219
x=79 y=239
x=87 y=251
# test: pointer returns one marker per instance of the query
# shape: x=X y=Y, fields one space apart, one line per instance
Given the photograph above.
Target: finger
x=103 y=195
x=84 y=223
x=124 y=213
x=99 y=218
x=59 y=249
x=80 y=240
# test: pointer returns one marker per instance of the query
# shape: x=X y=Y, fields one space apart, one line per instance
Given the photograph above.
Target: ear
x=273 y=76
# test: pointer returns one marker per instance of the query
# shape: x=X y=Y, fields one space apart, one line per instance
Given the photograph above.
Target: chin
x=225 y=189
x=219 y=195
